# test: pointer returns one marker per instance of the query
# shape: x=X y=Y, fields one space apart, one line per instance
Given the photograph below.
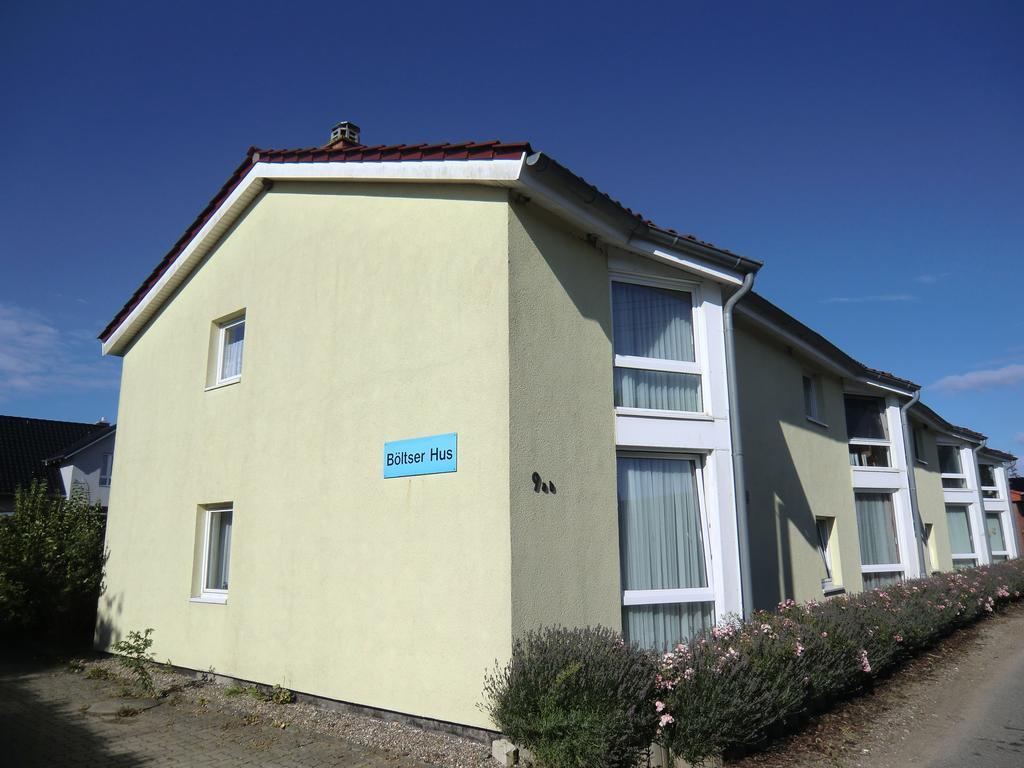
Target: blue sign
x=421 y=456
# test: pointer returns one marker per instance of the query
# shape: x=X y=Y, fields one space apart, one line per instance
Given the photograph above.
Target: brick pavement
x=43 y=723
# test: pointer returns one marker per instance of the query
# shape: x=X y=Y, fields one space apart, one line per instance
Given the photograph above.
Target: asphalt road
x=991 y=735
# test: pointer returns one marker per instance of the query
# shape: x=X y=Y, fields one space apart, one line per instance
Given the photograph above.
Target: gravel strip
x=202 y=694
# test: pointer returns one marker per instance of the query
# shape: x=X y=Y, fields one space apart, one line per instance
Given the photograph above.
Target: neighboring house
x=88 y=465
x=1017 y=499
x=567 y=365
x=26 y=445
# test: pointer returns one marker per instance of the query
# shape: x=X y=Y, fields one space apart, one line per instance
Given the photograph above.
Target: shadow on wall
x=106 y=634
x=37 y=731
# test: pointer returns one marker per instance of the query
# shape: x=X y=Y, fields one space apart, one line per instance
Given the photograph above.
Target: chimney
x=346 y=133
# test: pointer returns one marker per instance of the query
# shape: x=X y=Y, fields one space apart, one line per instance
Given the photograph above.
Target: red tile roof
x=348 y=153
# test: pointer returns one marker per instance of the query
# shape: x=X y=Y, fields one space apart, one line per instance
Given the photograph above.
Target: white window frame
x=107 y=470
x=205 y=594
x=825 y=550
x=917 y=435
x=998 y=552
x=989 y=489
x=813 y=414
x=690 y=594
x=698 y=367
x=871 y=441
x=222 y=330
x=962 y=475
x=954 y=556
x=900 y=567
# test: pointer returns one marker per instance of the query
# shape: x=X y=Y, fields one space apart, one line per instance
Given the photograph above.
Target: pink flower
x=659 y=706
x=666 y=719
x=688 y=673
x=824 y=634
x=864 y=665
x=898 y=638
x=799 y=650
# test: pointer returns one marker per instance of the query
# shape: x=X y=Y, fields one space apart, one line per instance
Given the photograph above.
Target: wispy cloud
x=976 y=381
x=931 y=278
x=882 y=297
x=37 y=356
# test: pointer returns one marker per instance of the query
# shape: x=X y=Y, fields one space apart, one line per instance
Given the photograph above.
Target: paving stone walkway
x=44 y=722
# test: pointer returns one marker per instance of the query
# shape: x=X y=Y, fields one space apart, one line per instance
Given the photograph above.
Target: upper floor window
x=107 y=468
x=230 y=345
x=987 y=475
x=952 y=471
x=812 y=397
x=655 y=354
x=867 y=431
x=919 y=452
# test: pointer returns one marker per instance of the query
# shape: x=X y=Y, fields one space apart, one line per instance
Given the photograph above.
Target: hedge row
x=582 y=698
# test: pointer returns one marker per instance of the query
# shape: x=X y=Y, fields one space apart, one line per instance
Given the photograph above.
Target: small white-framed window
x=664 y=552
x=107 y=469
x=656 y=364
x=987 y=478
x=919 y=451
x=996 y=538
x=812 y=397
x=930 y=556
x=961 y=539
x=950 y=467
x=867 y=431
x=216 y=553
x=231 y=342
x=881 y=564
x=824 y=527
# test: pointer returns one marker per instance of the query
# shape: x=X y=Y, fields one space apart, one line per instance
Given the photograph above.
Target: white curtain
x=234 y=338
x=635 y=388
x=949 y=460
x=652 y=322
x=663 y=627
x=876 y=525
x=995 y=532
x=219 y=552
x=662 y=547
x=879 y=580
x=960 y=540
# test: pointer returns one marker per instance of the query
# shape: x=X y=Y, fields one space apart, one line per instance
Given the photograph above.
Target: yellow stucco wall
x=796 y=470
x=565 y=547
x=373 y=313
x=931 y=501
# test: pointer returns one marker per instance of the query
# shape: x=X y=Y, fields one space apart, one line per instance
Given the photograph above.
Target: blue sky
x=869 y=153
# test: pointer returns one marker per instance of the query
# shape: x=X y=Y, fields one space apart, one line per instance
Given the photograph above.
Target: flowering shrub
x=576 y=698
x=746 y=680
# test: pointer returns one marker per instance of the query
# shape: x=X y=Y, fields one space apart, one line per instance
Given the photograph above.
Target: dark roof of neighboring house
x=1003 y=455
x=933 y=416
x=760 y=305
x=104 y=431
x=347 y=153
x=25 y=444
x=1017 y=483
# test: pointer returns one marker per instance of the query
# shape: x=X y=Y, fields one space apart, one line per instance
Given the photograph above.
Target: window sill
x=834 y=590
x=922 y=462
x=211 y=599
x=655 y=414
x=816 y=421
x=222 y=384
x=892 y=470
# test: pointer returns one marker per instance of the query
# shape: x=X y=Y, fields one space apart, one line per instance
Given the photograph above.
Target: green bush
x=728 y=691
x=135 y=658
x=51 y=569
x=576 y=698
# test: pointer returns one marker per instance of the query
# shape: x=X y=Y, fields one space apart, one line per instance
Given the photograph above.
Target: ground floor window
x=217 y=552
x=961 y=540
x=879 y=544
x=996 y=539
x=667 y=598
